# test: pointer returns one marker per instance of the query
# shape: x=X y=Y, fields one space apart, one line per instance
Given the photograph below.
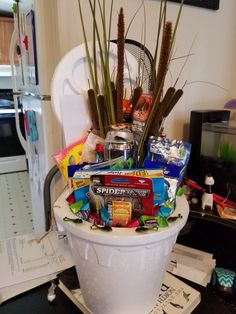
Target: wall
x=210 y=72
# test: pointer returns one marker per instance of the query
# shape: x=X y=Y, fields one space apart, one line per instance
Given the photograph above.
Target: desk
x=211 y=302
x=35 y=302
x=211 y=236
x=209 y=215
x=219 y=238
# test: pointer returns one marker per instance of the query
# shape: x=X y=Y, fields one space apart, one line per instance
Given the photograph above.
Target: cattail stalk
x=95 y=53
x=164 y=57
x=155 y=117
x=156 y=112
x=102 y=108
x=106 y=68
x=104 y=57
x=93 y=108
x=120 y=67
x=161 y=21
x=152 y=116
x=136 y=95
x=90 y=67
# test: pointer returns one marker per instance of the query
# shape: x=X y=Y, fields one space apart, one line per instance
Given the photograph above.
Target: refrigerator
x=35 y=39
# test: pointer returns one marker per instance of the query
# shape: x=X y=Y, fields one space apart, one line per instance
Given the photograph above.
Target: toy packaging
x=124 y=198
x=170 y=190
x=81 y=179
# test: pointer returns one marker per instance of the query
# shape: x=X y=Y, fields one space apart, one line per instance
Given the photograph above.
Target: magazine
x=176 y=297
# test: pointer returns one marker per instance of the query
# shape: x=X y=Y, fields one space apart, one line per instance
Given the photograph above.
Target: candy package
x=170 y=190
x=171 y=155
x=71 y=155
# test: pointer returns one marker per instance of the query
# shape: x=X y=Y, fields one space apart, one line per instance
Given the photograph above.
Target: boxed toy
x=119 y=199
x=81 y=178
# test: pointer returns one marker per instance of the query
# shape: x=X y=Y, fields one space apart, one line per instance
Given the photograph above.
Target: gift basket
x=121 y=210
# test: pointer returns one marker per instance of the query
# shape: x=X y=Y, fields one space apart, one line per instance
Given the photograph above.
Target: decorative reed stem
x=97 y=91
x=155 y=115
x=106 y=68
x=120 y=67
x=90 y=68
x=161 y=21
x=104 y=57
x=164 y=57
x=93 y=108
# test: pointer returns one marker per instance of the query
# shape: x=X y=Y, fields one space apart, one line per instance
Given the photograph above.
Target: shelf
x=196 y=212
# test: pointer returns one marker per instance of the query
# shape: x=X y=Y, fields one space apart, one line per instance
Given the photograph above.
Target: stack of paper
x=27 y=263
x=194 y=265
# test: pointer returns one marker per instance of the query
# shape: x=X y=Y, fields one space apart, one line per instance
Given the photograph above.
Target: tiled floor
x=15 y=205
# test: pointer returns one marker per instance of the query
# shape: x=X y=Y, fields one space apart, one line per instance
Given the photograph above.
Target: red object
x=95 y=218
x=100 y=148
x=217 y=198
x=134 y=224
x=127 y=106
x=142 y=108
x=71 y=198
x=131 y=187
x=26 y=42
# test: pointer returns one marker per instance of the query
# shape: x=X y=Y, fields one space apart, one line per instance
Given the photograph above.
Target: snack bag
x=171 y=155
x=170 y=190
x=71 y=155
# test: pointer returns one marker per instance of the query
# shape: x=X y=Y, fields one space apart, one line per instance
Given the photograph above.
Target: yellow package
x=121 y=213
x=70 y=155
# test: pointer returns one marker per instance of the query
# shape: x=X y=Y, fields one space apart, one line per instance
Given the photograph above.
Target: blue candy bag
x=170 y=155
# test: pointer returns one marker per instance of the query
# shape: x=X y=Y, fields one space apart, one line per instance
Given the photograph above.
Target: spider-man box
x=136 y=191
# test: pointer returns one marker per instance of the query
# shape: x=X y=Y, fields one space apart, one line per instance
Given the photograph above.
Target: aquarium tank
x=212 y=134
x=218 y=155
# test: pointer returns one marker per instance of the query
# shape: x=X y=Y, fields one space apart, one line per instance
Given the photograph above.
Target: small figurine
x=207 y=198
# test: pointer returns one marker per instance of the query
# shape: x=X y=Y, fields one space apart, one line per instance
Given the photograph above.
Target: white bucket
x=120 y=272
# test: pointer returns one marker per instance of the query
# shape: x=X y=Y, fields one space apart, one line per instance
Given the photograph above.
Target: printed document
x=23 y=258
